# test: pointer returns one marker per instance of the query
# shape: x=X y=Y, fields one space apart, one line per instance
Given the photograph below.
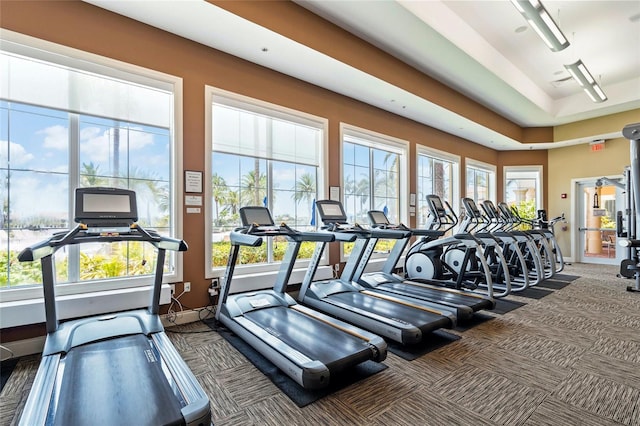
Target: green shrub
x=119 y=260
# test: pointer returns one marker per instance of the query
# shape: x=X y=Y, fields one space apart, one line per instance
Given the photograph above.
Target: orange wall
x=83 y=26
x=86 y=27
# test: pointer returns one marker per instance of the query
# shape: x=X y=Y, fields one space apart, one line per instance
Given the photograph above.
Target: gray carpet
x=570 y=358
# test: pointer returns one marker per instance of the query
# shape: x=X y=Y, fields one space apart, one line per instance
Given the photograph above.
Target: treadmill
x=308 y=346
x=406 y=322
x=118 y=368
x=464 y=303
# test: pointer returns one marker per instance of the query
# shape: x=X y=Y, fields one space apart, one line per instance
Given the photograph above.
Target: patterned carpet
x=569 y=358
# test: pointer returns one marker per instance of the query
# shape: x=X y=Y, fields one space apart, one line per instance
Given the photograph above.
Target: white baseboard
x=35 y=345
x=24 y=347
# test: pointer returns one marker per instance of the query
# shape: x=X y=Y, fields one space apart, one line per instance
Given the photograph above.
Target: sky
x=34 y=143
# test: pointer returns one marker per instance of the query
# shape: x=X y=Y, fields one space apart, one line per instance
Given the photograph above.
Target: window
x=373 y=177
x=481 y=181
x=523 y=189
x=70 y=119
x=260 y=154
x=438 y=173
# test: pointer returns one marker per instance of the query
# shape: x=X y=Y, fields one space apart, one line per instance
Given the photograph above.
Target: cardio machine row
x=492 y=249
x=339 y=322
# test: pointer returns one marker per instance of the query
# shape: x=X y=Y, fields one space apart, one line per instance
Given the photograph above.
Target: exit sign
x=597 y=147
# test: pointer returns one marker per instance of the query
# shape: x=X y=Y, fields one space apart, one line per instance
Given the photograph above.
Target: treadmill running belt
x=314 y=338
x=116 y=382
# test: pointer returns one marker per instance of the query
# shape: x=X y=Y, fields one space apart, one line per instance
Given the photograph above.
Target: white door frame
x=575 y=207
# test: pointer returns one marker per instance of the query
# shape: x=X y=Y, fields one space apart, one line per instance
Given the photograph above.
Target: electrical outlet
x=173 y=289
x=187 y=287
x=215 y=283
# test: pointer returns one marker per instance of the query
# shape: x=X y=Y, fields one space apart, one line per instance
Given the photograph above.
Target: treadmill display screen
x=331 y=211
x=106 y=206
x=256 y=215
x=378 y=218
x=106 y=203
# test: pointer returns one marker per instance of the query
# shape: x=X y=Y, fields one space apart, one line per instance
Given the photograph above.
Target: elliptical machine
x=456 y=261
x=501 y=248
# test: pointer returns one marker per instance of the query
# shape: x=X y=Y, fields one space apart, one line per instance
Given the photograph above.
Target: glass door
x=597 y=207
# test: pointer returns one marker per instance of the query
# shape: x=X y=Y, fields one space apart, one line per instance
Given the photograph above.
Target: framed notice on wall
x=192 y=181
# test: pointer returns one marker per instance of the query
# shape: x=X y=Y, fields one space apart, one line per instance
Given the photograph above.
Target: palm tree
x=362 y=191
x=147 y=186
x=89 y=175
x=305 y=188
x=254 y=187
x=219 y=191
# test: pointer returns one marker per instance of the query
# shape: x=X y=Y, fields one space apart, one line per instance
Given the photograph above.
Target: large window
x=481 y=181
x=373 y=175
x=264 y=155
x=438 y=173
x=69 y=119
x=523 y=189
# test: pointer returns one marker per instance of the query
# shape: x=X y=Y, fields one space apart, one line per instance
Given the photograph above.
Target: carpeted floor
x=571 y=357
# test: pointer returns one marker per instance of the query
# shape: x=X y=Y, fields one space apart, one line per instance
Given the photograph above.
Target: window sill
x=31 y=311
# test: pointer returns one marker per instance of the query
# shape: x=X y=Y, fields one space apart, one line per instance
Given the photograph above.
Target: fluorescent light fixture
x=538 y=17
x=584 y=78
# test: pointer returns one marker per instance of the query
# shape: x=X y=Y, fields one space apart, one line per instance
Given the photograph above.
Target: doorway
x=596 y=208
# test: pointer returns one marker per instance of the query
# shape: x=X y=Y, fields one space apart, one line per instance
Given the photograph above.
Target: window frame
x=108 y=67
x=422 y=150
x=486 y=167
x=228 y=98
x=538 y=169
x=374 y=139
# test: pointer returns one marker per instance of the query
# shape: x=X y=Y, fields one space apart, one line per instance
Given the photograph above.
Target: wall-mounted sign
x=192 y=181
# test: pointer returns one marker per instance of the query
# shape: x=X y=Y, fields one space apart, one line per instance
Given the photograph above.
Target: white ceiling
x=471 y=46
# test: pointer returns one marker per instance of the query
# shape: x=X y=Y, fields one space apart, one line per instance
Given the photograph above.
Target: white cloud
x=51 y=195
x=288 y=174
x=139 y=140
x=18 y=155
x=95 y=143
x=56 y=137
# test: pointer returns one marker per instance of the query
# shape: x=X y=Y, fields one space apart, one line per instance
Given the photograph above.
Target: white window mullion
x=73 y=264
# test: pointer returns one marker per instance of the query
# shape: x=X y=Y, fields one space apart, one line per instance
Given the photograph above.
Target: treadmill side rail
x=36 y=408
x=197 y=410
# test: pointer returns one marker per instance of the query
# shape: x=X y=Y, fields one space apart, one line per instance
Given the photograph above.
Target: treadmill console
x=106 y=209
x=258 y=218
x=331 y=211
x=378 y=218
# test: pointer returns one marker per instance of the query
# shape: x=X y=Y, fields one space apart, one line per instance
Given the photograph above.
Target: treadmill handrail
x=82 y=234
x=239 y=237
x=388 y=233
x=346 y=237
x=282 y=230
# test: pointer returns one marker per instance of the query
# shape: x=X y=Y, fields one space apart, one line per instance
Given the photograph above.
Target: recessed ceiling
x=476 y=47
